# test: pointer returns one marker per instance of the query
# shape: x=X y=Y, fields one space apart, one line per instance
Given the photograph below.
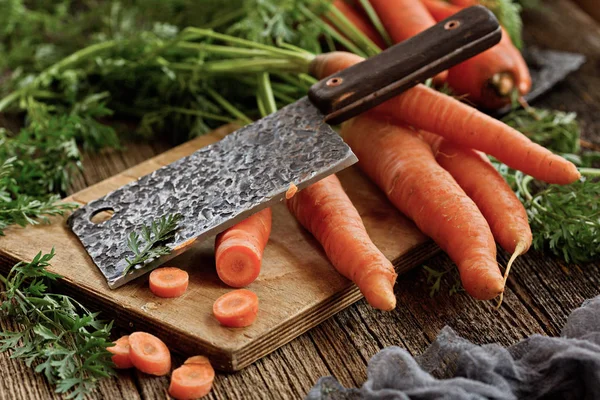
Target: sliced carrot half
x=168 y=282
x=236 y=309
x=149 y=354
x=120 y=353
x=191 y=381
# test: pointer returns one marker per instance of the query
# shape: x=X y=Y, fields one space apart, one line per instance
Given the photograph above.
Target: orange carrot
x=192 y=380
x=236 y=309
x=403 y=166
x=485 y=186
x=403 y=19
x=197 y=360
x=120 y=353
x=490 y=77
x=168 y=282
x=326 y=211
x=239 y=249
x=149 y=354
x=430 y=110
x=360 y=22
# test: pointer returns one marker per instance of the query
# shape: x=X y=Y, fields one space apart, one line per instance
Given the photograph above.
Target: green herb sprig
x=155 y=237
x=59 y=337
x=435 y=278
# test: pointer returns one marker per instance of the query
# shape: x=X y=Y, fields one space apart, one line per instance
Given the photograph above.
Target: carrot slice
x=191 y=380
x=168 y=282
x=236 y=309
x=120 y=353
x=149 y=354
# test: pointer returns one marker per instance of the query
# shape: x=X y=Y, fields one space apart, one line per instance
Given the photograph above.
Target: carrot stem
x=222 y=50
x=225 y=18
x=347 y=28
x=266 y=92
x=194 y=33
x=332 y=32
x=374 y=18
x=240 y=65
x=234 y=111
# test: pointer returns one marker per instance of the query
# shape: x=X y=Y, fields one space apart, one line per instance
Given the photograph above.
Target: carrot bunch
x=442 y=180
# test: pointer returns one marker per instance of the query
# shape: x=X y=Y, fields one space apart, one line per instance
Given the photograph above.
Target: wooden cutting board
x=298 y=288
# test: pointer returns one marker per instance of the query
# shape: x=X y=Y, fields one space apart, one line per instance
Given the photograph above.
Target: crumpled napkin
x=539 y=367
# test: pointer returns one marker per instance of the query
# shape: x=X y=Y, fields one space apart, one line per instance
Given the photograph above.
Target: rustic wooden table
x=541 y=290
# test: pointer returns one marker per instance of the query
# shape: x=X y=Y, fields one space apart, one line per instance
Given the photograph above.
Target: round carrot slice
x=120 y=353
x=149 y=354
x=168 y=282
x=236 y=309
x=191 y=381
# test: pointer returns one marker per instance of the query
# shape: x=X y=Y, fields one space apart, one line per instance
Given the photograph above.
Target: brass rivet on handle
x=452 y=25
x=334 y=82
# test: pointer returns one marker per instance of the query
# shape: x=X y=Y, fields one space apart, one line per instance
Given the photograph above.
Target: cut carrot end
x=520 y=249
x=149 y=354
x=236 y=309
x=168 y=282
x=120 y=353
x=238 y=266
x=191 y=381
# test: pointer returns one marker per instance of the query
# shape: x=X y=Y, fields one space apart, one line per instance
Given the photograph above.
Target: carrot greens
x=55 y=334
x=565 y=220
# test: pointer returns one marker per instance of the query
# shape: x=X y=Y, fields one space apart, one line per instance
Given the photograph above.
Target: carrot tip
x=380 y=292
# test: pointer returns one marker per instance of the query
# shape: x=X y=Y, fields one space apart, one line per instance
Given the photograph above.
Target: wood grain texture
x=541 y=290
x=297 y=287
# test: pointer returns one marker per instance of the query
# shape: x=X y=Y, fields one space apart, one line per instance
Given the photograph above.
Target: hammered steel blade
x=215 y=187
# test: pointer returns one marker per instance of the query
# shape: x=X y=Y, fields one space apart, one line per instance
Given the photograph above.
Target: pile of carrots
x=427 y=151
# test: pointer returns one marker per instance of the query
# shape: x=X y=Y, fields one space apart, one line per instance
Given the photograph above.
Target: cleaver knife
x=252 y=168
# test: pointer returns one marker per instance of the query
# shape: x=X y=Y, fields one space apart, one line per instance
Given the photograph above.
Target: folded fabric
x=539 y=367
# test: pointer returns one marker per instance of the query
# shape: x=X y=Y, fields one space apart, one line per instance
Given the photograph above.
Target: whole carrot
x=403 y=166
x=433 y=111
x=360 y=22
x=501 y=208
x=485 y=186
x=239 y=249
x=490 y=77
x=404 y=19
x=326 y=211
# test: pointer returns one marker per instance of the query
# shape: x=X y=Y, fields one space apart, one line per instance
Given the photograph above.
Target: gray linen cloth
x=539 y=367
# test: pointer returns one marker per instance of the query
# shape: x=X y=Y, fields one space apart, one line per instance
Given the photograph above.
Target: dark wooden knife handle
x=365 y=85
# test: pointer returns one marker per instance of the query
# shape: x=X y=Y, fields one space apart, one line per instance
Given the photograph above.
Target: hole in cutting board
x=102 y=215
